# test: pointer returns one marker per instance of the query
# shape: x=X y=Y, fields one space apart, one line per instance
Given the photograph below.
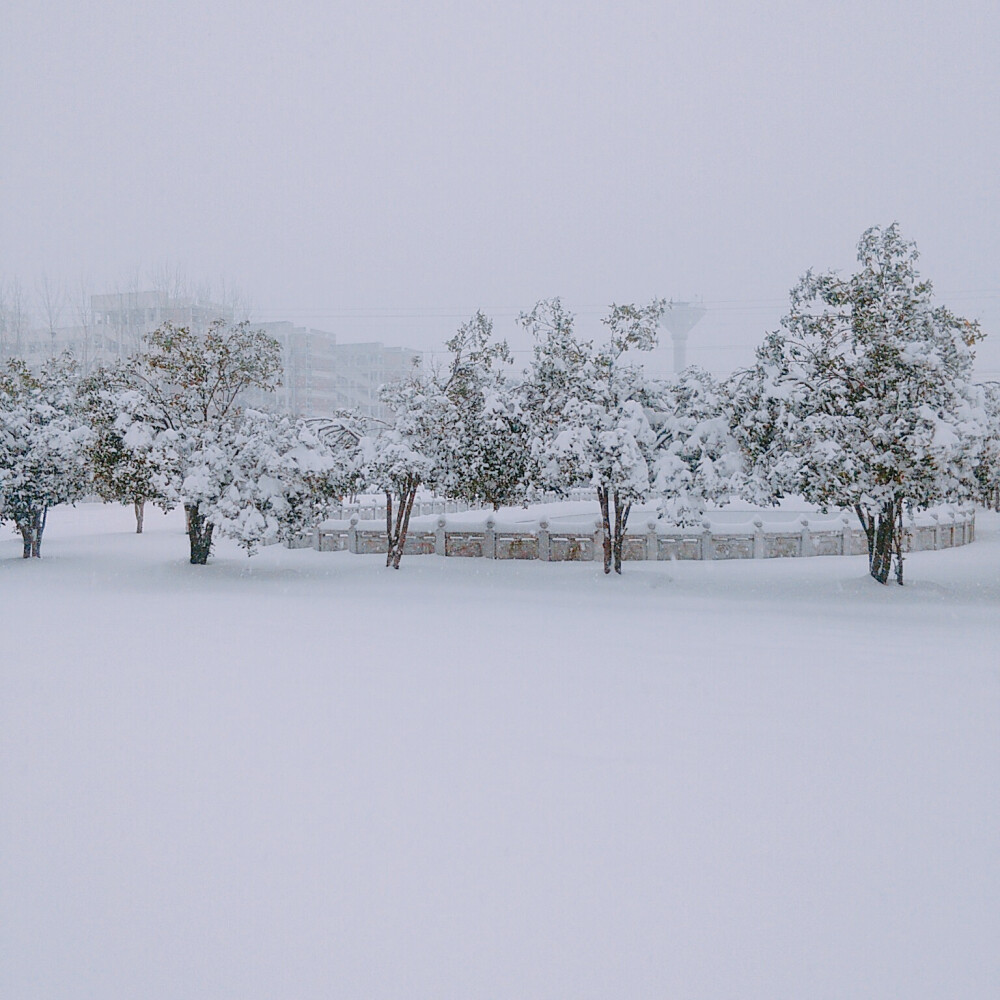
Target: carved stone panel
x=827 y=543
x=333 y=541
x=733 y=546
x=517 y=547
x=372 y=542
x=571 y=548
x=419 y=543
x=781 y=546
x=676 y=547
x=467 y=545
x=634 y=547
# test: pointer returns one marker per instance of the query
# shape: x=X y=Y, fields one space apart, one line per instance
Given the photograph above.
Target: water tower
x=680 y=318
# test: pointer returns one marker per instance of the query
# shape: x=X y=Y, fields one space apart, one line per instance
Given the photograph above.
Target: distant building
x=321 y=376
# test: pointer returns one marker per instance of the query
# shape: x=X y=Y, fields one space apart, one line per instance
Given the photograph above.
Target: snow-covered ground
x=305 y=776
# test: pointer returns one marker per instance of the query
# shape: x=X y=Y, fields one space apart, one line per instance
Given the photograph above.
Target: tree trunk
x=397 y=528
x=614 y=534
x=602 y=496
x=32 y=527
x=199 y=534
x=140 y=510
x=899 y=544
x=621 y=522
x=884 y=531
x=389 y=533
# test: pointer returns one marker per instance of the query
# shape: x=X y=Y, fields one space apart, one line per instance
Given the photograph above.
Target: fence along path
x=582 y=540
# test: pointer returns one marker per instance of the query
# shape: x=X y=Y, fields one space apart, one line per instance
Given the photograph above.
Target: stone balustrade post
x=805 y=541
x=439 y=537
x=652 y=544
x=490 y=542
x=847 y=543
x=707 y=546
x=759 y=539
x=543 y=539
x=598 y=540
x=352 y=535
x=937 y=530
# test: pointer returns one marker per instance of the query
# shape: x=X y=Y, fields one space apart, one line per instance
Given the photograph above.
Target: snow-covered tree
x=460 y=431
x=482 y=429
x=120 y=474
x=183 y=415
x=988 y=468
x=696 y=459
x=589 y=419
x=863 y=399
x=402 y=455
x=43 y=443
x=278 y=480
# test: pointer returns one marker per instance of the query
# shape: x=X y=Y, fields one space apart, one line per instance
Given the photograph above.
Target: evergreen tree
x=483 y=446
x=988 y=467
x=183 y=415
x=697 y=460
x=590 y=424
x=120 y=474
x=863 y=399
x=43 y=441
x=402 y=455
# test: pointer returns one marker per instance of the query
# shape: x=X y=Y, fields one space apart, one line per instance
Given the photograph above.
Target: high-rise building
x=321 y=376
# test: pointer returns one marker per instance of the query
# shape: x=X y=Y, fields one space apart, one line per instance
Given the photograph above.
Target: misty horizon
x=380 y=173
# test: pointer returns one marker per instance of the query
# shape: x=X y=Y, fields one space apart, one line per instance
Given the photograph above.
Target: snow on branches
x=988 y=467
x=698 y=461
x=482 y=429
x=398 y=457
x=863 y=398
x=588 y=411
x=43 y=442
x=255 y=476
x=119 y=474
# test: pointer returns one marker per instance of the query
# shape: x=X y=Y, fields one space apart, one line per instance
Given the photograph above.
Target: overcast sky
x=380 y=170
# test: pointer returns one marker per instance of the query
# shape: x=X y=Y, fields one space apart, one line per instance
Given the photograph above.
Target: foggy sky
x=381 y=170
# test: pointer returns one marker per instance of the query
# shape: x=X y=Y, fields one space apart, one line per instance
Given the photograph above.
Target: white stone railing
x=653 y=541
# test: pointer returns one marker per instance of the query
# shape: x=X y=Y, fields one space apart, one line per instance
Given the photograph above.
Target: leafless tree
x=52 y=299
x=90 y=350
x=14 y=319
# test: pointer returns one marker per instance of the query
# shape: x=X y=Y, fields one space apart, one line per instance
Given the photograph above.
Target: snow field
x=305 y=776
